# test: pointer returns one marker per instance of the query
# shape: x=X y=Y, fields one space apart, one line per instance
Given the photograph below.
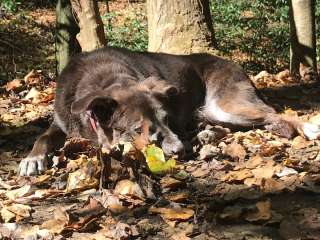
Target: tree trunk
x=66 y=31
x=91 y=34
x=303 y=36
x=179 y=27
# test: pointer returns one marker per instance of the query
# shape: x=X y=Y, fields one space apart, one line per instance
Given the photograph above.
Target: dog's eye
x=138 y=130
x=118 y=129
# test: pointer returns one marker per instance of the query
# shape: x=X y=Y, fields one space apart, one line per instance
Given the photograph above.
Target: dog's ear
x=159 y=87
x=102 y=106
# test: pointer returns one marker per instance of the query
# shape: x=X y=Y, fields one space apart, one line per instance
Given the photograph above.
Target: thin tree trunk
x=66 y=31
x=91 y=34
x=179 y=27
x=303 y=36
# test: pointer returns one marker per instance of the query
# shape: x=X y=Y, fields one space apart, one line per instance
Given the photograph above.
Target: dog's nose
x=173 y=148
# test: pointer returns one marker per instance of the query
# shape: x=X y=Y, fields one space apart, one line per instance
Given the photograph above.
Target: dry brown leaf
x=269 y=149
x=264 y=172
x=262 y=213
x=82 y=217
x=300 y=143
x=254 y=162
x=20 y=192
x=177 y=196
x=173 y=213
x=236 y=151
x=83 y=178
x=15 y=211
x=252 y=181
x=180 y=236
x=58 y=223
x=171 y=183
x=237 y=175
x=200 y=172
x=129 y=188
x=112 y=202
x=271 y=185
x=33 y=78
x=291 y=181
x=14 y=84
x=120 y=231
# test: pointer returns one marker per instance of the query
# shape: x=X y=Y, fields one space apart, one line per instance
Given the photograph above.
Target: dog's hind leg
x=239 y=105
x=36 y=161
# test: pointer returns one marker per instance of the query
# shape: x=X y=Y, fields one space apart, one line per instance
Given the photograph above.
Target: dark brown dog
x=107 y=94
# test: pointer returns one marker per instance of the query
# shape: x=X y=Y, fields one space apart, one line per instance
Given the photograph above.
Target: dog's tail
x=290 y=126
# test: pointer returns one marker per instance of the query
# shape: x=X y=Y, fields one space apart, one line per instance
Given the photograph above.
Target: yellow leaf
x=156 y=160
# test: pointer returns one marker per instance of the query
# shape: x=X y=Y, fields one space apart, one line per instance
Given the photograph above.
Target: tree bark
x=66 y=31
x=91 y=34
x=303 y=36
x=179 y=27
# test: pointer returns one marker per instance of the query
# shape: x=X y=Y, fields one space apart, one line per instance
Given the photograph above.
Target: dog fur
x=107 y=94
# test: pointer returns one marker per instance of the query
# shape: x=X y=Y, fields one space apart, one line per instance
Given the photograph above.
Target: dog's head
x=121 y=113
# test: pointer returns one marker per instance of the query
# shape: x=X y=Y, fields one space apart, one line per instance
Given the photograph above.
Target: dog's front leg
x=36 y=161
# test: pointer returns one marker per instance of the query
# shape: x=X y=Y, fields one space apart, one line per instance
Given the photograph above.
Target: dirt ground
x=246 y=184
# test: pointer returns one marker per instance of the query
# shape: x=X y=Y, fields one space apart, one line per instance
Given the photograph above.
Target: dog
x=106 y=96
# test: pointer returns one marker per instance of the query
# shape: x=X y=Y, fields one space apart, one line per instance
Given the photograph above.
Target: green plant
x=130 y=33
x=10 y=5
x=256 y=33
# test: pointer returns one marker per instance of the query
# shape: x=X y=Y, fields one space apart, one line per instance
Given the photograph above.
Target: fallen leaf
x=254 y=162
x=237 y=175
x=58 y=223
x=33 y=78
x=15 y=211
x=181 y=214
x=261 y=213
x=286 y=171
x=177 y=196
x=300 y=143
x=112 y=202
x=127 y=187
x=121 y=231
x=264 y=172
x=201 y=172
x=82 y=217
x=156 y=161
x=235 y=151
x=180 y=236
x=171 y=183
x=84 y=177
x=14 y=84
x=252 y=181
x=271 y=185
x=208 y=151
x=20 y=192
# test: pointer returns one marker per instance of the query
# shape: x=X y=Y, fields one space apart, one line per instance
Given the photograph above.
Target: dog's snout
x=173 y=148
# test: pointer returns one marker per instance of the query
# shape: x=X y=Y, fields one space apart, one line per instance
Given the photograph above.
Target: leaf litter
x=231 y=178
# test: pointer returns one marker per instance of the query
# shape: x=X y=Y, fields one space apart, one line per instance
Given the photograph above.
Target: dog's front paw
x=33 y=165
x=311 y=131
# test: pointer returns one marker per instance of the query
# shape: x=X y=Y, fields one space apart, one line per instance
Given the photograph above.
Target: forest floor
x=245 y=184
